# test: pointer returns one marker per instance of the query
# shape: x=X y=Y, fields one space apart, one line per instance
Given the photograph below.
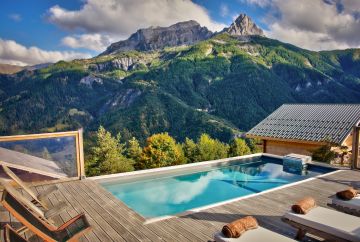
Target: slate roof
x=309 y=122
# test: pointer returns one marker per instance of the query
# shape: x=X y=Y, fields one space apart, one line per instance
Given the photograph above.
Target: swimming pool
x=173 y=194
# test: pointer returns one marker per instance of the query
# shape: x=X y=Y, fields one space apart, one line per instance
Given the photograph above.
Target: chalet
x=302 y=128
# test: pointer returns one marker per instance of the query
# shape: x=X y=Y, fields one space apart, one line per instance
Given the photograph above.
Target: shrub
x=324 y=154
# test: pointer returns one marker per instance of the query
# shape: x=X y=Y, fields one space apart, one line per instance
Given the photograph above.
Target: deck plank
x=97 y=229
x=112 y=220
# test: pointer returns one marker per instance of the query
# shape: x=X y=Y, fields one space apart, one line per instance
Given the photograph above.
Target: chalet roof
x=309 y=122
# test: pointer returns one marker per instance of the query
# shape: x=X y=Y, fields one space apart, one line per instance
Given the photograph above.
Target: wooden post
x=355 y=148
x=81 y=154
x=264 y=146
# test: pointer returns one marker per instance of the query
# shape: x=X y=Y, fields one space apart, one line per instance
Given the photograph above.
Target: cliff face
x=153 y=38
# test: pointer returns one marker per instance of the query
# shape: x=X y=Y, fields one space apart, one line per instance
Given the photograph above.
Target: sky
x=42 y=31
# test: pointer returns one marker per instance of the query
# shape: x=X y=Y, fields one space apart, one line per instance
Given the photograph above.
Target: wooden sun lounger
x=11 y=235
x=325 y=223
x=70 y=231
x=46 y=213
x=255 y=235
x=39 y=199
x=350 y=207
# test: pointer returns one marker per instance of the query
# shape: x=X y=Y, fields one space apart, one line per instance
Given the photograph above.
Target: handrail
x=38 y=136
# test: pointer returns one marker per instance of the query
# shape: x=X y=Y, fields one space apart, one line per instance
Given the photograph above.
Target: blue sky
x=39 y=31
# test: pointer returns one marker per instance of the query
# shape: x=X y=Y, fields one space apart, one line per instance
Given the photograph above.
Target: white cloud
x=17 y=54
x=16 y=17
x=124 y=17
x=316 y=24
x=261 y=3
x=97 y=42
x=305 y=39
x=224 y=10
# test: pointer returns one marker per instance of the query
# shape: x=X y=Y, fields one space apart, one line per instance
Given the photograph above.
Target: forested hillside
x=220 y=86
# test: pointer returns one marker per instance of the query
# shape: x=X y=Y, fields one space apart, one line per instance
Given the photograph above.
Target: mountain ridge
x=182 y=33
x=223 y=86
x=153 y=38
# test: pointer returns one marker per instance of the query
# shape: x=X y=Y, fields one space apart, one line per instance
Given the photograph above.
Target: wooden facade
x=284 y=147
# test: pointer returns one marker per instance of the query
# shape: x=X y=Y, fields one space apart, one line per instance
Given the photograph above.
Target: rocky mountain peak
x=153 y=38
x=243 y=26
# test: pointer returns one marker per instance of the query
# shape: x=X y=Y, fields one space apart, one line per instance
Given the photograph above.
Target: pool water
x=172 y=195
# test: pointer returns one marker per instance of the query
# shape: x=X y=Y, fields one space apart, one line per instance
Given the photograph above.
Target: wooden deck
x=113 y=221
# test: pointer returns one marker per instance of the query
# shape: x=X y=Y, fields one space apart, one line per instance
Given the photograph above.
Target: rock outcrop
x=123 y=63
x=90 y=79
x=244 y=26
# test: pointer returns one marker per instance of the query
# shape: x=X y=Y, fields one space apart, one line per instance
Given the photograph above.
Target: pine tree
x=108 y=155
x=134 y=151
x=189 y=147
x=46 y=154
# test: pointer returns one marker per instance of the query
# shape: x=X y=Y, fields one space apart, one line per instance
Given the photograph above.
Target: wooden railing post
x=355 y=148
x=81 y=154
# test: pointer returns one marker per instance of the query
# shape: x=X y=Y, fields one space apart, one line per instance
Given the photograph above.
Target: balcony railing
x=356 y=148
x=42 y=157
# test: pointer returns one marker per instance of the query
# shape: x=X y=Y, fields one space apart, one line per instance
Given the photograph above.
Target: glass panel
x=41 y=159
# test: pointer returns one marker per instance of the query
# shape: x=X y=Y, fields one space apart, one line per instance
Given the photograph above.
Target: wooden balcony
x=112 y=220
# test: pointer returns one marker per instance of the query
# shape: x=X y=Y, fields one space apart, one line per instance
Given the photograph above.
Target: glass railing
x=42 y=157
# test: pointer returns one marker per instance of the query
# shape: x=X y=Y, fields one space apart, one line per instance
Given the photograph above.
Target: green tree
x=324 y=153
x=134 y=151
x=253 y=145
x=107 y=156
x=46 y=154
x=238 y=147
x=210 y=149
x=190 y=149
x=160 y=150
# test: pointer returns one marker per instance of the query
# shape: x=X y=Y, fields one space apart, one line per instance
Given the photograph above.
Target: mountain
x=154 y=38
x=222 y=85
x=38 y=66
x=10 y=69
x=244 y=26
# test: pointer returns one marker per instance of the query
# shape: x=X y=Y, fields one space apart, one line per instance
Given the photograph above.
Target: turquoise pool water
x=172 y=195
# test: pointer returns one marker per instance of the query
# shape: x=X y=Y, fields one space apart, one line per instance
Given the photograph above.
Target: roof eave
x=289 y=140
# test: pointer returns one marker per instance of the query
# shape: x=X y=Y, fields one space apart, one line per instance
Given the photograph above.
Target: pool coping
x=165 y=170
x=204 y=164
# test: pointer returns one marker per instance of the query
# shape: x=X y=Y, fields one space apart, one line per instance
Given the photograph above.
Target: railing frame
x=355 y=148
x=78 y=143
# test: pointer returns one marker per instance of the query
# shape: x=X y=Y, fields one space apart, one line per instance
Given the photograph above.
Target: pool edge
x=198 y=209
x=140 y=173
x=163 y=170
